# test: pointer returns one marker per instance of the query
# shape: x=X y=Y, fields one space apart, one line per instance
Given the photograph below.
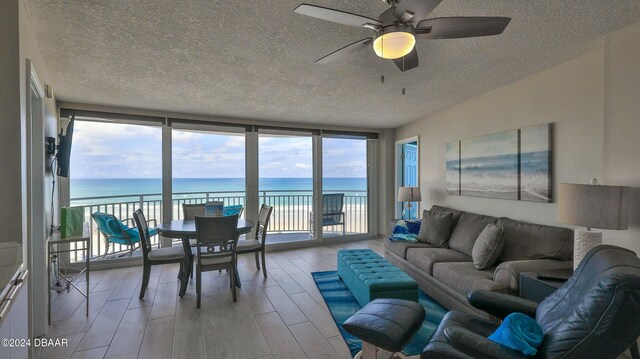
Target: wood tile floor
x=283 y=316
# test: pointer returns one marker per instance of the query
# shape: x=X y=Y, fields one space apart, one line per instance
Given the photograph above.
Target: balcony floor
x=287 y=237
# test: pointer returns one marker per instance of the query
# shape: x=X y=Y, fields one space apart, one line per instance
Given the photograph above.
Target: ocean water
x=491 y=176
x=96 y=187
x=497 y=176
x=535 y=176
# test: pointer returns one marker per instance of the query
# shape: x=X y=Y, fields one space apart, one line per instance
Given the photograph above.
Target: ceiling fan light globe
x=394 y=45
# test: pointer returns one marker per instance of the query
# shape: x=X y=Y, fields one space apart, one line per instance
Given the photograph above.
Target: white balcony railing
x=291 y=212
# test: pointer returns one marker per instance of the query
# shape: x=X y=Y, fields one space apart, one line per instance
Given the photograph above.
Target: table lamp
x=592 y=206
x=408 y=194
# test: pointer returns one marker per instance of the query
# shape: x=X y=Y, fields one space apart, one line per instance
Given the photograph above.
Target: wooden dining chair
x=156 y=256
x=217 y=238
x=257 y=245
x=190 y=211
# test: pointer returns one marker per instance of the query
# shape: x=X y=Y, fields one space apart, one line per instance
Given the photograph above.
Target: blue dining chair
x=115 y=231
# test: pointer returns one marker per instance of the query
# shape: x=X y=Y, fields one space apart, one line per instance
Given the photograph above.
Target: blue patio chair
x=115 y=231
x=231 y=210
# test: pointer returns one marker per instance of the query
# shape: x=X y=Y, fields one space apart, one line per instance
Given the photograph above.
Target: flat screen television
x=64 y=149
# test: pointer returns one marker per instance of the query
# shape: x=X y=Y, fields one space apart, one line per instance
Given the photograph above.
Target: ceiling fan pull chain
x=382 y=76
x=403 y=89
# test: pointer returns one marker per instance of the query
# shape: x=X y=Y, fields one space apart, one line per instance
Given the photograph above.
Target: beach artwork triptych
x=513 y=164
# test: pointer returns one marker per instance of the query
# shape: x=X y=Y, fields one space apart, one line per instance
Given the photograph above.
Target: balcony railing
x=291 y=213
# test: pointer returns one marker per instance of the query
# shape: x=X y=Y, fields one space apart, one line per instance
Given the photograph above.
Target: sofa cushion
x=508 y=273
x=436 y=228
x=467 y=231
x=440 y=209
x=464 y=277
x=399 y=248
x=487 y=247
x=524 y=240
x=425 y=258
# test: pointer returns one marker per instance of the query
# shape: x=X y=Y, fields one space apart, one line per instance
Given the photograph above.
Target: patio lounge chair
x=231 y=210
x=332 y=212
x=115 y=231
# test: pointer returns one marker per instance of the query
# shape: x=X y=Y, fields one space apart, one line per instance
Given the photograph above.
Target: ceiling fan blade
x=419 y=8
x=337 y=16
x=353 y=47
x=410 y=61
x=459 y=27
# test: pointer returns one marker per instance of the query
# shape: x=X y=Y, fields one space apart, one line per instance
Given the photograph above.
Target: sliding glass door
x=206 y=167
x=317 y=183
x=286 y=183
x=115 y=168
x=345 y=205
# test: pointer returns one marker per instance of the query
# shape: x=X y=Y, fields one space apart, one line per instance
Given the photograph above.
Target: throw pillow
x=435 y=228
x=406 y=231
x=487 y=247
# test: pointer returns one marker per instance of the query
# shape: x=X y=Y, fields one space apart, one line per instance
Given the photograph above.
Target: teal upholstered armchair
x=231 y=210
x=115 y=231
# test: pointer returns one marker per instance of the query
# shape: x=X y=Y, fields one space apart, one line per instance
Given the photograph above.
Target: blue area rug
x=342 y=304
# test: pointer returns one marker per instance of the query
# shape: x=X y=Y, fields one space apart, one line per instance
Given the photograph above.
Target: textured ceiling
x=254 y=59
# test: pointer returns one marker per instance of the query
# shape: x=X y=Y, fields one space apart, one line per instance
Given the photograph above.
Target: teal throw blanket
x=519 y=332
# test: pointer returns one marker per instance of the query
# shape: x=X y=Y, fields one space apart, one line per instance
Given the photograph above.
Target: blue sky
x=104 y=150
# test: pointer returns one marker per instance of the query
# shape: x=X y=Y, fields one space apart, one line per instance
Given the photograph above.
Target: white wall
x=29 y=50
x=622 y=124
x=39 y=201
x=17 y=44
x=10 y=210
x=594 y=103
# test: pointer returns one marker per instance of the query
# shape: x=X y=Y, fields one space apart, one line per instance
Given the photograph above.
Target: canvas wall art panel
x=489 y=166
x=512 y=164
x=452 y=157
x=535 y=163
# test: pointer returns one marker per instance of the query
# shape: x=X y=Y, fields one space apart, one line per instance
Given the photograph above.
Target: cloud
x=108 y=150
x=185 y=136
x=235 y=142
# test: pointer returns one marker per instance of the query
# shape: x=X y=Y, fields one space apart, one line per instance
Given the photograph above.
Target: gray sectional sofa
x=448 y=274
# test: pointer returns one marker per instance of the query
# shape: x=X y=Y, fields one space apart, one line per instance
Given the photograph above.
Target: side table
x=537 y=289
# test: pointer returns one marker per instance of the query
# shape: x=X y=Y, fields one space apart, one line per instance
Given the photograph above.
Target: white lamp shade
x=597 y=206
x=409 y=194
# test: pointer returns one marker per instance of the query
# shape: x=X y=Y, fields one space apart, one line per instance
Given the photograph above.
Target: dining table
x=185 y=230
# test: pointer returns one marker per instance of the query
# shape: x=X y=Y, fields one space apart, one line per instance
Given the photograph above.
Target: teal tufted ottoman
x=370 y=276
